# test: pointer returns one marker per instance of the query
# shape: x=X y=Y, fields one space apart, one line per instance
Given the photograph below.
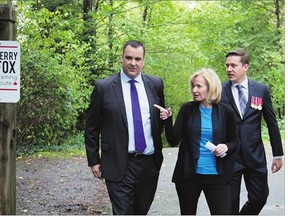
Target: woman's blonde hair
x=212 y=81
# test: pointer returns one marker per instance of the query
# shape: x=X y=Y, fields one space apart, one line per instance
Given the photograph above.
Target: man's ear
x=246 y=66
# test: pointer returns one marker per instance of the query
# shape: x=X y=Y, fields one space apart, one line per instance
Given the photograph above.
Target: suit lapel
x=230 y=96
x=150 y=94
x=251 y=92
x=117 y=88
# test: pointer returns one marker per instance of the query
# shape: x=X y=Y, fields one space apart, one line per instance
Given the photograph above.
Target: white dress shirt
x=145 y=112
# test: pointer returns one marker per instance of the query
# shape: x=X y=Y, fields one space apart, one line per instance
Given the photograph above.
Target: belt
x=139 y=155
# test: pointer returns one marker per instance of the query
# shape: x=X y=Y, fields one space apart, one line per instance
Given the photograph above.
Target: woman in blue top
x=200 y=167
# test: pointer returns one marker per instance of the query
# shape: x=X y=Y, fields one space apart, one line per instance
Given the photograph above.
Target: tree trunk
x=110 y=35
x=89 y=34
x=277 y=13
x=87 y=7
x=7 y=127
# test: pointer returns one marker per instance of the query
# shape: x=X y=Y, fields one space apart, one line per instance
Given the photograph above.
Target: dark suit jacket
x=187 y=131
x=106 y=123
x=251 y=150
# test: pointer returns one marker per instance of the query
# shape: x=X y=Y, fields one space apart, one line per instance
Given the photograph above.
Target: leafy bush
x=53 y=86
x=70 y=147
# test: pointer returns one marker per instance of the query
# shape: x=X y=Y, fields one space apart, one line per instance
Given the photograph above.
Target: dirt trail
x=61 y=186
x=67 y=187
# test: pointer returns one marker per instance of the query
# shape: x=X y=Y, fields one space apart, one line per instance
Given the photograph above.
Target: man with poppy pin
x=250 y=100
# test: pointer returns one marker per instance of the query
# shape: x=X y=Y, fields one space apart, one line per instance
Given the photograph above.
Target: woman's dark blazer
x=187 y=132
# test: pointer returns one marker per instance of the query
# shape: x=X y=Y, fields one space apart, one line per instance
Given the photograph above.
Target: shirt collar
x=244 y=83
x=126 y=79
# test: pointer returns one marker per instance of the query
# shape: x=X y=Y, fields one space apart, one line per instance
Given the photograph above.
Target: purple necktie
x=140 y=143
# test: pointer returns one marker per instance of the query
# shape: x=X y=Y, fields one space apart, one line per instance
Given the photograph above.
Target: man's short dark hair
x=134 y=44
x=244 y=57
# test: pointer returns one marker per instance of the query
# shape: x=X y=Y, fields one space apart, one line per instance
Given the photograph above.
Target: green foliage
x=53 y=88
x=73 y=146
x=265 y=134
x=63 y=51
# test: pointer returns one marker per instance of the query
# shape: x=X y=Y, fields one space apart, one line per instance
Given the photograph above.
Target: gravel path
x=67 y=187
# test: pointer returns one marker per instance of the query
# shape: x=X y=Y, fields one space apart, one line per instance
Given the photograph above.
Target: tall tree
x=110 y=35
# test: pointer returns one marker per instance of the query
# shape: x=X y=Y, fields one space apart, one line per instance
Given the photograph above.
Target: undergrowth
x=75 y=146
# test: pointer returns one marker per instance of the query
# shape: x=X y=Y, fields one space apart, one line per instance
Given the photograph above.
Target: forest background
x=68 y=44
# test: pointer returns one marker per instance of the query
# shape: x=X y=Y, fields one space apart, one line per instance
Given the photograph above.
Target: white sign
x=9 y=71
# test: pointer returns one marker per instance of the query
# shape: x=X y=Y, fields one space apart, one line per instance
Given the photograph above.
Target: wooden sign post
x=7 y=127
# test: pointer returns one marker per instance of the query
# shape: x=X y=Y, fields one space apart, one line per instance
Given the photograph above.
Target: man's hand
x=276 y=165
x=96 y=170
x=164 y=113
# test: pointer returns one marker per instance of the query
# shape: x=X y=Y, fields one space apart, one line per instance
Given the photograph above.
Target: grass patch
x=72 y=147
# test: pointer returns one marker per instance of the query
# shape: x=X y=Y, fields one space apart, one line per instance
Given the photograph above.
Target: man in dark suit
x=130 y=172
x=250 y=100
